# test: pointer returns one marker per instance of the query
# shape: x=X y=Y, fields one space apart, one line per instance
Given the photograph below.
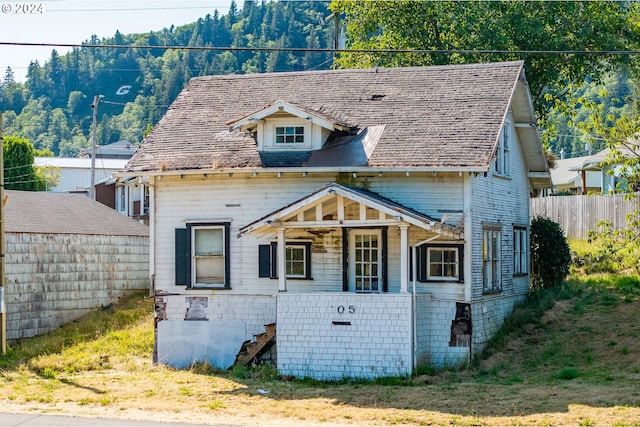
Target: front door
x=365 y=261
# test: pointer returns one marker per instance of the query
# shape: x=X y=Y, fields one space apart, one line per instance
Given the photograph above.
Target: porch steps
x=251 y=351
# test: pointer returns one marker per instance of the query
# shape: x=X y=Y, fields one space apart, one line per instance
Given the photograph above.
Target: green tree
x=19 y=172
x=619 y=248
x=500 y=25
x=550 y=253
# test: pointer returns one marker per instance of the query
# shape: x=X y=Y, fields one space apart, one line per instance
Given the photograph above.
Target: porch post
x=404 y=257
x=282 y=262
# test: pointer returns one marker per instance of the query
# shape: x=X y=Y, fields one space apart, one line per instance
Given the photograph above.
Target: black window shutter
x=307 y=249
x=345 y=260
x=274 y=260
x=423 y=263
x=183 y=257
x=385 y=261
x=264 y=261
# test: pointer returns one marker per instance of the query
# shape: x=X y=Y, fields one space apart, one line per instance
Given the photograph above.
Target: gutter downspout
x=414 y=271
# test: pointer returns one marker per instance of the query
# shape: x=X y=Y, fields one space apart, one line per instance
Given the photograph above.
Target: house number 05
x=351 y=309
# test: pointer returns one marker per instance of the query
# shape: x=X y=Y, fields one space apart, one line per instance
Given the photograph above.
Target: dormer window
x=282 y=126
x=289 y=134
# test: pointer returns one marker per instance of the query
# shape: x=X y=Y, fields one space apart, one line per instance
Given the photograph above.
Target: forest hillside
x=52 y=108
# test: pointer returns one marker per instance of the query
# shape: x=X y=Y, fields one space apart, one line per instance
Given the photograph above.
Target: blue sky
x=73 y=21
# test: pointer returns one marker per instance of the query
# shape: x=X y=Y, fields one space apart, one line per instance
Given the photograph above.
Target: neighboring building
x=379 y=218
x=75 y=177
x=117 y=150
x=587 y=174
x=75 y=172
x=568 y=180
x=66 y=255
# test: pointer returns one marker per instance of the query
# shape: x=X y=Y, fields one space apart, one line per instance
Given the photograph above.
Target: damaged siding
x=52 y=279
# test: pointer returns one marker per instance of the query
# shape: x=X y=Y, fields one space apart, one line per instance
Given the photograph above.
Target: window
x=201 y=255
x=289 y=134
x=122 y=201
x=145 y=207
x=439 y=263
x=491 y=261
x=501 y=161
x=520 y=251
x=297 y=262
x=443 y=263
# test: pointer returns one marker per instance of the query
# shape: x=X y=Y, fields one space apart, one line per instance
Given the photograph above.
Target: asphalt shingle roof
x=440 y=116
x=56 y=213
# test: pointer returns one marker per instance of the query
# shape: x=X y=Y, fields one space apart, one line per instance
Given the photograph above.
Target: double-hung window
x=520 y=251
x=439 y=263
x=202 y=255
x=501 y=161
x=491 y=250
x=297 y=260
x=289 y=134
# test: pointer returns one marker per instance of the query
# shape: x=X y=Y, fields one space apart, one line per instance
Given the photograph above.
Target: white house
x=75 y=172
x=377 y=220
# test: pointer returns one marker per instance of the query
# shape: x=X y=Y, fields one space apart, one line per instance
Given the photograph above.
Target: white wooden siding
x=503 y=201
x=243 y=199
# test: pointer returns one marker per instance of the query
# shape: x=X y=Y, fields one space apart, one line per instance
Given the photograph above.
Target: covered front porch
x=376 y=238
x=375 y=324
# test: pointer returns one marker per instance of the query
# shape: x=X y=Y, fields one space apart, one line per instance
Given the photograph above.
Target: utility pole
x=336 y=34
x=3 y=306
x=92 y=189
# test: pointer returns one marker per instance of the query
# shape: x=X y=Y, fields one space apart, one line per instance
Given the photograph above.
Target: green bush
x=550 y=253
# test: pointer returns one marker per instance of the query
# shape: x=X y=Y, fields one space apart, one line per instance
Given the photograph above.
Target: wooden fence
x=578 y=214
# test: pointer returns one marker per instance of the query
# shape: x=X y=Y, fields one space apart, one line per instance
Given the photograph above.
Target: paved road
x=37 y=420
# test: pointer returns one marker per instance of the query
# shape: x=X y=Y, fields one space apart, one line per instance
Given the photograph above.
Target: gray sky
x=74 y=21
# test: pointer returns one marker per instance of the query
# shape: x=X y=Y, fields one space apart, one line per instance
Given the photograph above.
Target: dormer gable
x=285 y=126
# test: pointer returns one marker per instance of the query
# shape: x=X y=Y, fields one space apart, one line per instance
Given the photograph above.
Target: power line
x=331 y=50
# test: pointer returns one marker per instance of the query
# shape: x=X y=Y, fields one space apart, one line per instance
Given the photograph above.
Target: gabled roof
x=600 y=160
x=434 y=118
x=564 y=173
x=55 y=213
x=280 y=106
x=390 y=210
x=80 y=163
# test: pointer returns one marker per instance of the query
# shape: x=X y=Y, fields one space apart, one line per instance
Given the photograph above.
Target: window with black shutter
x=297 y=261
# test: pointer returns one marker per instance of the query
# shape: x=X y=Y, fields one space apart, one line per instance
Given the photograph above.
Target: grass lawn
x=568 y=357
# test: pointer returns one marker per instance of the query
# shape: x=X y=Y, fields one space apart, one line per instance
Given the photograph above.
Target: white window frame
x=491 y=260
x=501 y=161
x=122 y=198
x=520 y=251
x=289 y=248
x=367 y=262
x=284 y=135
x=456 y=264
x=195 y=257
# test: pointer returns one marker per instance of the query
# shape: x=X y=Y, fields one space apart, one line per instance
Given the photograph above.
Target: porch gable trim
x=291 y=216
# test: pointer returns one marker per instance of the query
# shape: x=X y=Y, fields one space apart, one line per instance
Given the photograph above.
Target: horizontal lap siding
x=505 y=202
x=244 y=200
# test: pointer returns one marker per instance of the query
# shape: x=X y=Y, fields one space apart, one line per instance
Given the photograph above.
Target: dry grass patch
x=572 y=364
